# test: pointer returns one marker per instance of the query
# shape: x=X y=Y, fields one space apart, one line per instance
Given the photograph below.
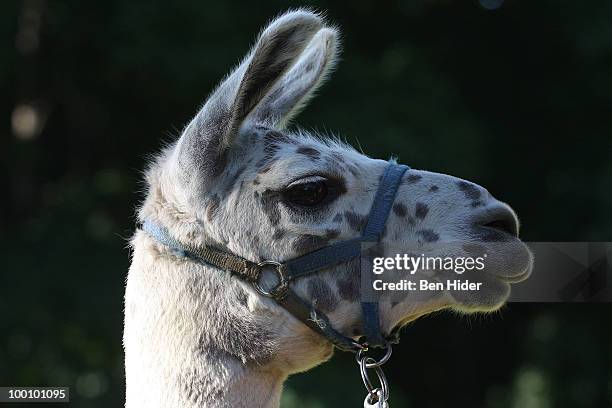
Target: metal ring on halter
x=359 y=346
x=282 y=281
x=359 y=357
x=384 y=387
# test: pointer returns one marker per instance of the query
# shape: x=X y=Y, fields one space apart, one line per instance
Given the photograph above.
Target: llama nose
x=499 y=217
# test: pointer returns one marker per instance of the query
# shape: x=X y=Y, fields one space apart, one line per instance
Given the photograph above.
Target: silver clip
x=378 y=401
x=377 y=396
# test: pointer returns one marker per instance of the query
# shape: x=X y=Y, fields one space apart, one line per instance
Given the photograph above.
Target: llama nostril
x=502 y=225
x=501 y=219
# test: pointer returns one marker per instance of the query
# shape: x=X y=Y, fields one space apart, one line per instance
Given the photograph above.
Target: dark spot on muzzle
x=470 y=190
x=412 y=179
x=323 y=298
x=428 y=235
x=400 y=209
x=307 y=243
x=349 y=284
x=356 y=221
x=421 y=210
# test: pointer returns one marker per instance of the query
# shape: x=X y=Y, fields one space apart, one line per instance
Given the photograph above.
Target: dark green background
x=517 y=99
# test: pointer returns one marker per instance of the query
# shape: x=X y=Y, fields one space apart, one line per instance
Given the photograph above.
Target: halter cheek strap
x=312 y=262
x=385 y=196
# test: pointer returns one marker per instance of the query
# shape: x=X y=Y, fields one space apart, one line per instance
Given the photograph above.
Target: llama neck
x=222 y=382
x=245 y=387
x=190 y=341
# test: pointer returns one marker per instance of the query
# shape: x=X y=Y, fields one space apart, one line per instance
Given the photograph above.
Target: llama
x=239 y=180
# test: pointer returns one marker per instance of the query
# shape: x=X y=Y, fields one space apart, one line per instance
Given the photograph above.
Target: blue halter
x=312 y=262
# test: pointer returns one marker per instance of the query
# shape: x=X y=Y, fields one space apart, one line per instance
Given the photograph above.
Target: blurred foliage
x=514 y=95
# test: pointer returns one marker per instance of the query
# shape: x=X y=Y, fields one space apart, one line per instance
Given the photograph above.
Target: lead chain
x=377 y=396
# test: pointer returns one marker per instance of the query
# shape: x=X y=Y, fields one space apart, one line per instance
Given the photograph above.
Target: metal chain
x=377 y=396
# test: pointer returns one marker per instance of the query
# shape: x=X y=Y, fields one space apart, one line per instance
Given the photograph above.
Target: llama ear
x=293 y=91
x=206 y=139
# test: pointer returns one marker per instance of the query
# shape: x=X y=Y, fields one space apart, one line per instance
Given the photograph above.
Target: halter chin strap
x=312 y=262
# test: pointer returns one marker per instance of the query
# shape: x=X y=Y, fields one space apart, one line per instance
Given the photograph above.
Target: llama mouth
x=515 y=278
x=510 y=261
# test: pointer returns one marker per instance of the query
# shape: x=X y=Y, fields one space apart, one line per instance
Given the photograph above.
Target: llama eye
x=307 y=192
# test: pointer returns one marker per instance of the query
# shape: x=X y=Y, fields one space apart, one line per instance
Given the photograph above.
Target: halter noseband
x=312 y=262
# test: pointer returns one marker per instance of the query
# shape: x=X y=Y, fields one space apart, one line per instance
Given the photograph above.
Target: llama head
x=239 y=180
